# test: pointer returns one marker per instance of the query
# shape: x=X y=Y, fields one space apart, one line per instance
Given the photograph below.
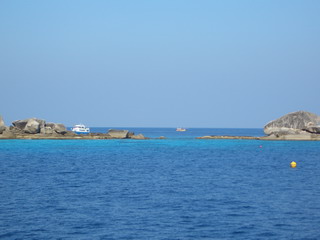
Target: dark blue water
x=179 y=188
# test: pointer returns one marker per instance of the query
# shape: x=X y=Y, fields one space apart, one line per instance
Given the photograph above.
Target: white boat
x=181 y=129
x=80 y=128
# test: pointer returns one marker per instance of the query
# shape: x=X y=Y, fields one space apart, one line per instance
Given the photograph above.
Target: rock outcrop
x=301 y=125
x=33 y=128
x=20 y=124
x=56 y=127
x=296 y=123
x=30 y=125
x=2 y=126
x=121 y=134
x=138 y=137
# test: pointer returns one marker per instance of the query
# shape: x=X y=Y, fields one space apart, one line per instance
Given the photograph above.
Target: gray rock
x=20 y=124
x=46 y=130
x=60 y=128
x=15 y=130
x=2 y=125
x=30 y=125
x=130 y=134
x=50 y=124
x=8 y=134
x=114 y=133
x=2 y=129
x=34 y=126
x=313 y=130
x=57 y=127
x=293 y=123
x=70 y=134
x=1 y=121
x=139 y=137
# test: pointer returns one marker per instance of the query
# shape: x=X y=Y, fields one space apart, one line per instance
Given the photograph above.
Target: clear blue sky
x=167 y=63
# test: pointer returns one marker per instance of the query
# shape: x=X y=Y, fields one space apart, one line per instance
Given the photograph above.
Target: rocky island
x=33 y=128
x=299 y=125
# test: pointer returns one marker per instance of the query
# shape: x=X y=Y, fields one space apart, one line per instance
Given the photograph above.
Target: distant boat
x=181 y=129
x=80 y=128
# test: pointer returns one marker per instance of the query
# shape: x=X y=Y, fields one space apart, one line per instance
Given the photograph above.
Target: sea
x=174 y=188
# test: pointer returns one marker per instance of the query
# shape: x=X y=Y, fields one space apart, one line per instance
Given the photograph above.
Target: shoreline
x=91 y=136
x=296 y=126
x=99 y=136
x=268 y=138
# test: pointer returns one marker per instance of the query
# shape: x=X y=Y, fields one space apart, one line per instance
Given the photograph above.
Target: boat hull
x=77 y=132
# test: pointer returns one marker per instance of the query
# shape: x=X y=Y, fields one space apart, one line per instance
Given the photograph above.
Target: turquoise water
x=190 y=133
x=179 y=188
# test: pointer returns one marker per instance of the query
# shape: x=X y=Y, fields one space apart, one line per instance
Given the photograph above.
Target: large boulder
x=57 y=128
x=46 y=130
x=2 y=126
x=30 y=125
x=20 y=124
x=138 y=137
x=300 y=122
x=60 y=128
x=114 y=133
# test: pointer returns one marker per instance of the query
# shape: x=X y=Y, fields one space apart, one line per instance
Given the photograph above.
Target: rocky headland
x=33 y=128
x=299 y=125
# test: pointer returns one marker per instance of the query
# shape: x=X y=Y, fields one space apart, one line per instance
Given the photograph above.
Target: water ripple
x=174 y=189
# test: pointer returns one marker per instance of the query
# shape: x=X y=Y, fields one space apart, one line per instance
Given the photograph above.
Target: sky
x=168 y=63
